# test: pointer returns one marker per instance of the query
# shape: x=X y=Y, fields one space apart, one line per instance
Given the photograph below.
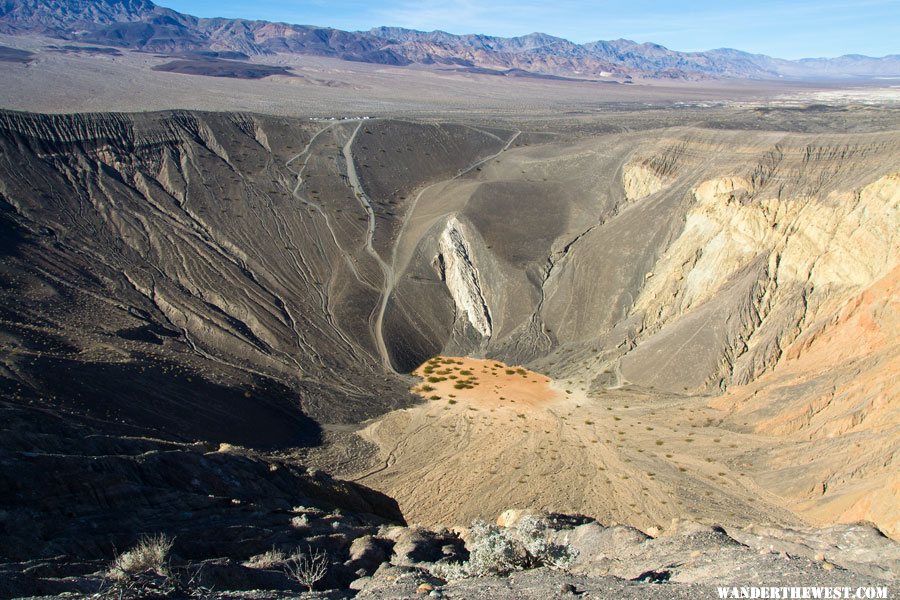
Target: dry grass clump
x=150 y=555
x=267 y=560
x=146 y=571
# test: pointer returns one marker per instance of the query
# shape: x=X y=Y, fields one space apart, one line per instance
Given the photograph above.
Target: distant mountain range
x=142 y=25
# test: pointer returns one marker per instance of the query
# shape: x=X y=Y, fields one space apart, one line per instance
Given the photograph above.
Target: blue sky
x=787 y=29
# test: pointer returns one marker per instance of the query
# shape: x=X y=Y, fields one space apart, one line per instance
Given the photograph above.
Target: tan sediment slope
x=514 y=438
x=832 y=408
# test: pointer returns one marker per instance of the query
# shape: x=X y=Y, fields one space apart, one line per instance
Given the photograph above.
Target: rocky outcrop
x=640 y=181
x=460 y=274
x=821 y=250
x=686 y=558
x=828 y=397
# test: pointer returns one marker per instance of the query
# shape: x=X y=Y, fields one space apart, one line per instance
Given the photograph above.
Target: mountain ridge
x=145 y=26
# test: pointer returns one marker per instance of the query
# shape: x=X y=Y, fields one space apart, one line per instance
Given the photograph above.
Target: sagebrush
x=497 y=550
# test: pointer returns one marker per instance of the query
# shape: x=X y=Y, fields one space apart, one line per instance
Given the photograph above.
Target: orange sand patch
x=487 y=383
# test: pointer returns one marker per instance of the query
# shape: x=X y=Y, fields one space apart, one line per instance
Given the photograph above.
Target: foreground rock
x=540 y=556
x=687 y=561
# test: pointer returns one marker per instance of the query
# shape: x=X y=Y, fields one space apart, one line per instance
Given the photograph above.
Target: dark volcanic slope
x=15 y=56
x=74 y=488
x=213 y=67
x=178 y=259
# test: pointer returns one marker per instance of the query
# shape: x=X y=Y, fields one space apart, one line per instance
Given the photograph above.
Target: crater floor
x=492 y=436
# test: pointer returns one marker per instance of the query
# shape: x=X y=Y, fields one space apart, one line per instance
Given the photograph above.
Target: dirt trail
x=386 y=269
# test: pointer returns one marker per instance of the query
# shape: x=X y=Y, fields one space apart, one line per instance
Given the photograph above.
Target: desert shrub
x=150 y=555
x=145 y=572
x=533 y=534
x=300 y=521
x=307 y=568
x=493 y=551
x=497 y=550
